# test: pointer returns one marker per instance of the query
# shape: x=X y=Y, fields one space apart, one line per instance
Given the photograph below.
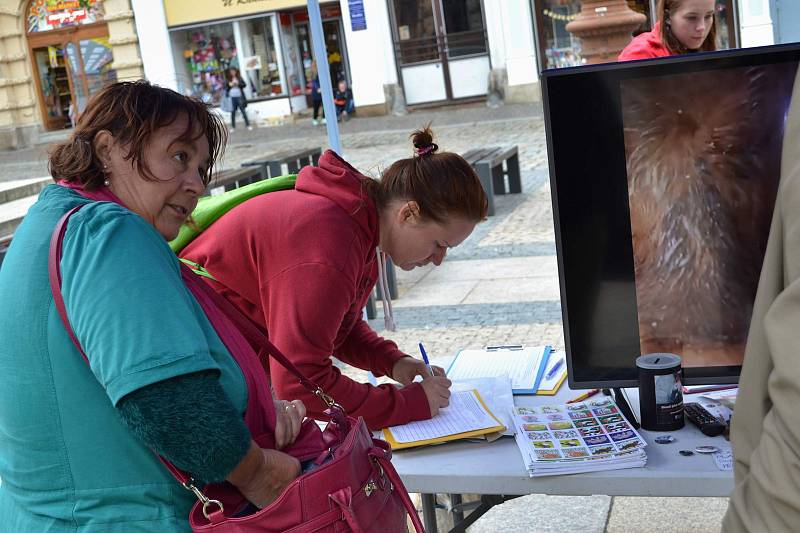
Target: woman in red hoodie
x=302 y=263
x=682 y=26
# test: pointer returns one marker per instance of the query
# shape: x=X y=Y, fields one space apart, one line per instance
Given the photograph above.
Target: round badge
x=706 y=449
x=664 y=439
x=686 y=453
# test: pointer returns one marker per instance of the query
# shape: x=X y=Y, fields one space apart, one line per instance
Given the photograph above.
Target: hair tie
x=425 y=150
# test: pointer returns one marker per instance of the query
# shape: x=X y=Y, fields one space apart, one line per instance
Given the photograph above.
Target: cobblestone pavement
x=501 y=284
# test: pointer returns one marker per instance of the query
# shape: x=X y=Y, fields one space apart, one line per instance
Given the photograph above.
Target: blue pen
x=556 y=367
x=425 y=358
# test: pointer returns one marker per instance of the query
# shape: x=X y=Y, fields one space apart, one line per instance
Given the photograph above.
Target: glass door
x=417 y=47
x=97 y=59
x=54 y=85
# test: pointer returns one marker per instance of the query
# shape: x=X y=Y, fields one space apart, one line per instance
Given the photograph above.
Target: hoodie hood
x=335 y=179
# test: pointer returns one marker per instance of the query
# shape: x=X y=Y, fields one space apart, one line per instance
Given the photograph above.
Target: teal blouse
x=67 y=462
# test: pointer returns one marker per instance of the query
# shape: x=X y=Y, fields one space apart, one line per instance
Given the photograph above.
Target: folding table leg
x=514 y=178
x=429 y=513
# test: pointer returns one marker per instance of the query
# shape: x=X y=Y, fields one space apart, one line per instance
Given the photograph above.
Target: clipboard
x=549 y=387
x=497 y=426
x=524 y=365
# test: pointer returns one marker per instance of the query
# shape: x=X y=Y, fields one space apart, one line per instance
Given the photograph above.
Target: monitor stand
x=625 y=407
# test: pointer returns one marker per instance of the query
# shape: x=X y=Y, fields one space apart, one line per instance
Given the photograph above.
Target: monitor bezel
x=621 y=71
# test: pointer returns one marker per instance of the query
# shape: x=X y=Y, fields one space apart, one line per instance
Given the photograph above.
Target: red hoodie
x=301 y=264
x=645 y=46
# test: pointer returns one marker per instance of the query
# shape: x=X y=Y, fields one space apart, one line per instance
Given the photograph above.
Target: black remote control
x=705 y=421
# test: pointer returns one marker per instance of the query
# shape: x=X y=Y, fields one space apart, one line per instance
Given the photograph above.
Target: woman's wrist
x=249 y=468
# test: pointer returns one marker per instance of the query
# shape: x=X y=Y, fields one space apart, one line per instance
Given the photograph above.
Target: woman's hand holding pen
x=436 y=386
x=437 y=389
x=407 y=368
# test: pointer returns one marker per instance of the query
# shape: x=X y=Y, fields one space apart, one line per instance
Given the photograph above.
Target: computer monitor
x=663 y=177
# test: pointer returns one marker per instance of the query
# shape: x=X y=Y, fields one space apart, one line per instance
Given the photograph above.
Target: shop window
x=724 y=22
x=294 y=61
x=209 y=51
x=561 y=48
x=261 y=69
x=416 y=32
x=45 y=15
x=463 y=22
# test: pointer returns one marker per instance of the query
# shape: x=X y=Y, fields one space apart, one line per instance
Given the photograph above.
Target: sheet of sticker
x=591 y=429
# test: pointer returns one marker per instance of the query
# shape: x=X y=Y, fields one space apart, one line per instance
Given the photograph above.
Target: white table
x=497 y=468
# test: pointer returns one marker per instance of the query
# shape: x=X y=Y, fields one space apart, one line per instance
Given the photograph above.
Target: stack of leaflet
x=581 y=437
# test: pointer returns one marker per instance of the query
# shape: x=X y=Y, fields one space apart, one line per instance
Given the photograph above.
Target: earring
x=106 y=182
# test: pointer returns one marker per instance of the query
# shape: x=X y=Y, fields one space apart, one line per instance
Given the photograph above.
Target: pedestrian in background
x=343 y=98
x=301 y=264
x=316 y=94
x=682 y=27
x=78 y=441
x=235 y=91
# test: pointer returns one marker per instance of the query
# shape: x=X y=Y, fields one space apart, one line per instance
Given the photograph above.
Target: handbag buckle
x=330 y=402
x=370 y=487
x=206 y=501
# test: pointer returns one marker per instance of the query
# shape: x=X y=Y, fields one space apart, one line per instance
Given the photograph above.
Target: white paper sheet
x=496 y=394
x=465 y=413
x=521 y=366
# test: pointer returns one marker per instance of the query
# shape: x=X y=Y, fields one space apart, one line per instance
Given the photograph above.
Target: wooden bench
x=233 y=178
x=488 y=163
x=294 y=160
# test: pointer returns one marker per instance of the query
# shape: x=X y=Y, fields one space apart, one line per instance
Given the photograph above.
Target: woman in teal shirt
x=77 y=441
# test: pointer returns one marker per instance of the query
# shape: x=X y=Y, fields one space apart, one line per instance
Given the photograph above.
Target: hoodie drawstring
x=383 y=284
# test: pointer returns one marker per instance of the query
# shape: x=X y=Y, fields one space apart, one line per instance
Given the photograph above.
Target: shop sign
x=182 y=12
x=357 y=19
x=64 y=18
x=45 y=15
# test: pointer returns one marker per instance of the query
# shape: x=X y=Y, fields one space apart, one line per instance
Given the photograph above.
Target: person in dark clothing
x=343 y=98
x=316 y=94
x=235 y=90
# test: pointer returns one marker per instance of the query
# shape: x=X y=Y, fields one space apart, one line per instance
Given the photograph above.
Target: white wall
x=510 y=30
x=154 y=42
x=370 y=53
x=494 y=32
x=755 y=23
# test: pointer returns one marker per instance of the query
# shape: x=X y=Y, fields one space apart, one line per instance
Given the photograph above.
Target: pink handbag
x=352 y=486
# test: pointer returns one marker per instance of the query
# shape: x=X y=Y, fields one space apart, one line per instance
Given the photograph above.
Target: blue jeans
x=348 y=107
x=236 y=102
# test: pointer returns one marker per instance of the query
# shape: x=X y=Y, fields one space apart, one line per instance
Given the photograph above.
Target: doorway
x=441 y=49
x=70 y=65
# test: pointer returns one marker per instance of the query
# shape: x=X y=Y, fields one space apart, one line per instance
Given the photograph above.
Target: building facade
x=54 y=54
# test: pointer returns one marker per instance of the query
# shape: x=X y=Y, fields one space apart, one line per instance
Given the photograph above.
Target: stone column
x=123 y=39
x=604 y=27
x=18 y=115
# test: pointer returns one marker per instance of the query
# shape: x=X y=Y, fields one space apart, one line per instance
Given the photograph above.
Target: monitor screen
x=663 y=178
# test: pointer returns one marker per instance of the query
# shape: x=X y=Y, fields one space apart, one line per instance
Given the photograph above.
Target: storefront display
x=208 y=51
x=71 y=55
x=262 y=67
x=559 y=48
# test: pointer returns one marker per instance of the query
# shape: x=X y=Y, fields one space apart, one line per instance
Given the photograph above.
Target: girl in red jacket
x=302 y=263
x=683 y=26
